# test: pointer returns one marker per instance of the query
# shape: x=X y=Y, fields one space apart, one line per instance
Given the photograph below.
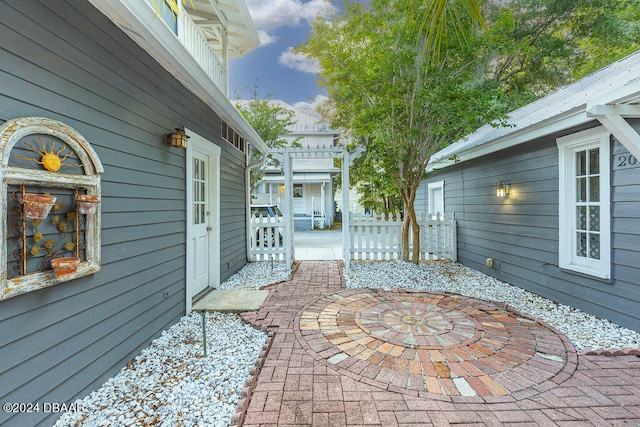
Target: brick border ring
x=447 y=346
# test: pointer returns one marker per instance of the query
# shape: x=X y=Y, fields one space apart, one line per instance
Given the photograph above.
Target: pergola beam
x=286 y=156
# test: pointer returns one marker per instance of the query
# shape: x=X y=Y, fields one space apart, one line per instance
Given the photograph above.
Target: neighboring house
x=109 y=79
x=568 y=227
x=313 y=187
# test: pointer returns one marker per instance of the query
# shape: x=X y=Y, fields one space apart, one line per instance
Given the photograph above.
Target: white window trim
x=567 y=258
x=434 y=186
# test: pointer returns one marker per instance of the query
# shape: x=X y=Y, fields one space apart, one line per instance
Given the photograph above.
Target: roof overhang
x=609 y=96
x=227 y=25
x=568 y=120
x=139 y=20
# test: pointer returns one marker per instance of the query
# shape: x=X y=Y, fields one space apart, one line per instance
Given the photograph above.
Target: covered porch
x=313 y=197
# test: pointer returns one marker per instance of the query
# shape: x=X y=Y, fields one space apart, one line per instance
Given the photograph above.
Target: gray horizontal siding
x=625 y=227
x=66 y=61
x=521 y=231
x=233 y=226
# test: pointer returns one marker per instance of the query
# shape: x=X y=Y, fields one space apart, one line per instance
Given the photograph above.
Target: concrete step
x=231 y=301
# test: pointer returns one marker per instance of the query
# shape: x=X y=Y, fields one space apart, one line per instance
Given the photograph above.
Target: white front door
x=201 y=213
x=299 y=201
x=203 y=216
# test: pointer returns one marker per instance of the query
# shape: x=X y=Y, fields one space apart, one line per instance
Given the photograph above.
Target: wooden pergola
x=286 y=156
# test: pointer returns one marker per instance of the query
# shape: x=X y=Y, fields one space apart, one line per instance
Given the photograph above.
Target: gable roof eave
x=230 y=16
x=456 y=154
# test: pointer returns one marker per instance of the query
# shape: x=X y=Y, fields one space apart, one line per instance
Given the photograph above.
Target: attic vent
x=232 y=137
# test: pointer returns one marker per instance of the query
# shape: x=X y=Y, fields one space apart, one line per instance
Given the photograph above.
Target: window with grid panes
x=584 y=217
x=199 y=191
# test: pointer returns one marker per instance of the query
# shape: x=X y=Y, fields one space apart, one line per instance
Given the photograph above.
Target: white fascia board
x=138 y=20
x=626 y=110
x=569 y=119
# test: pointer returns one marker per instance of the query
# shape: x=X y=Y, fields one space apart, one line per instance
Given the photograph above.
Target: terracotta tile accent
x=442 y=369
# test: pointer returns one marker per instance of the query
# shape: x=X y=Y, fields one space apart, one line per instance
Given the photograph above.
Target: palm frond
x=174 y=6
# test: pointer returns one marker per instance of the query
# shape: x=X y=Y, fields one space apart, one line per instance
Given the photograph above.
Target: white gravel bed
x=171 y=383
x=257 y=274
x=585 y=331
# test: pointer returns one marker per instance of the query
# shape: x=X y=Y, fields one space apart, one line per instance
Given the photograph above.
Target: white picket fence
x=373 y=237
x=267 y=238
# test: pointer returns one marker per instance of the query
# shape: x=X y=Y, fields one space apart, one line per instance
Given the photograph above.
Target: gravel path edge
x=247 y=392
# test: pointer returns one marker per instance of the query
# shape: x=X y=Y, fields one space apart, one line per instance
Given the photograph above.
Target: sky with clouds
x=273 y=67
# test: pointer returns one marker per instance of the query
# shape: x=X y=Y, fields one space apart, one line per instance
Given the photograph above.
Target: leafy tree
x=410 y=76
x=406 y=90
x=271 y=121
x=613 y=34
x=377 y=191
x=539 y=45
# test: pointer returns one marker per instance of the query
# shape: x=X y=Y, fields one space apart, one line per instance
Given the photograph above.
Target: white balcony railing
x=196 y=43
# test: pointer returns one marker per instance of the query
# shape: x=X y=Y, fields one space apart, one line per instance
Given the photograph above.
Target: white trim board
x=214 y=152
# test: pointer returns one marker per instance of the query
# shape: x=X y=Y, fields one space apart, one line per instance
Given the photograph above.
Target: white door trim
x=213 y=151
x=433 y=199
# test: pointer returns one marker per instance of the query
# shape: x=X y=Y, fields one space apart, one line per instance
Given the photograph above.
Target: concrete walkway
x=318 y=244
x=370 y=358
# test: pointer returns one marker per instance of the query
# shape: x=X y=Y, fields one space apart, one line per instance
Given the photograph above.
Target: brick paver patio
x=371 y=358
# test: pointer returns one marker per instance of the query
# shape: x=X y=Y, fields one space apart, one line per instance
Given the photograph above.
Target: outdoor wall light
x=502 y=190
x=177 y=139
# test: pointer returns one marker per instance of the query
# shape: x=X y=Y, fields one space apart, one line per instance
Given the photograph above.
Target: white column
x=288 y=209
x=322 y=196
x=225 y=60
x=313 y=207
x=346 y=160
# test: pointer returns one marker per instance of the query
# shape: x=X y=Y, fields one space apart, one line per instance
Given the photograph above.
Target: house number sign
x=625 y=161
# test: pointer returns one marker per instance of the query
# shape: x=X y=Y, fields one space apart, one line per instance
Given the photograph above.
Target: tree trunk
x=410 y=212
x=404 y=239
x=415 y=229
x=409 y=222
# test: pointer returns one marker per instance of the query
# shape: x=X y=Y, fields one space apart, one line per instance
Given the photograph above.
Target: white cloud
x=298 y=62
x=266 y=38
x=269 y=15
x=311 y=107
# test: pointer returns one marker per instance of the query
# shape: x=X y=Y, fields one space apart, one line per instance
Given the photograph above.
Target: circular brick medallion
x=418 y=324
x=449 y=345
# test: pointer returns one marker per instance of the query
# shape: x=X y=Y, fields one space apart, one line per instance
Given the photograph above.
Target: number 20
x=627 y=160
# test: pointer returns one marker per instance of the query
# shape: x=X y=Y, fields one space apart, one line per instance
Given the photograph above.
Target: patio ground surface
x=364 y=357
